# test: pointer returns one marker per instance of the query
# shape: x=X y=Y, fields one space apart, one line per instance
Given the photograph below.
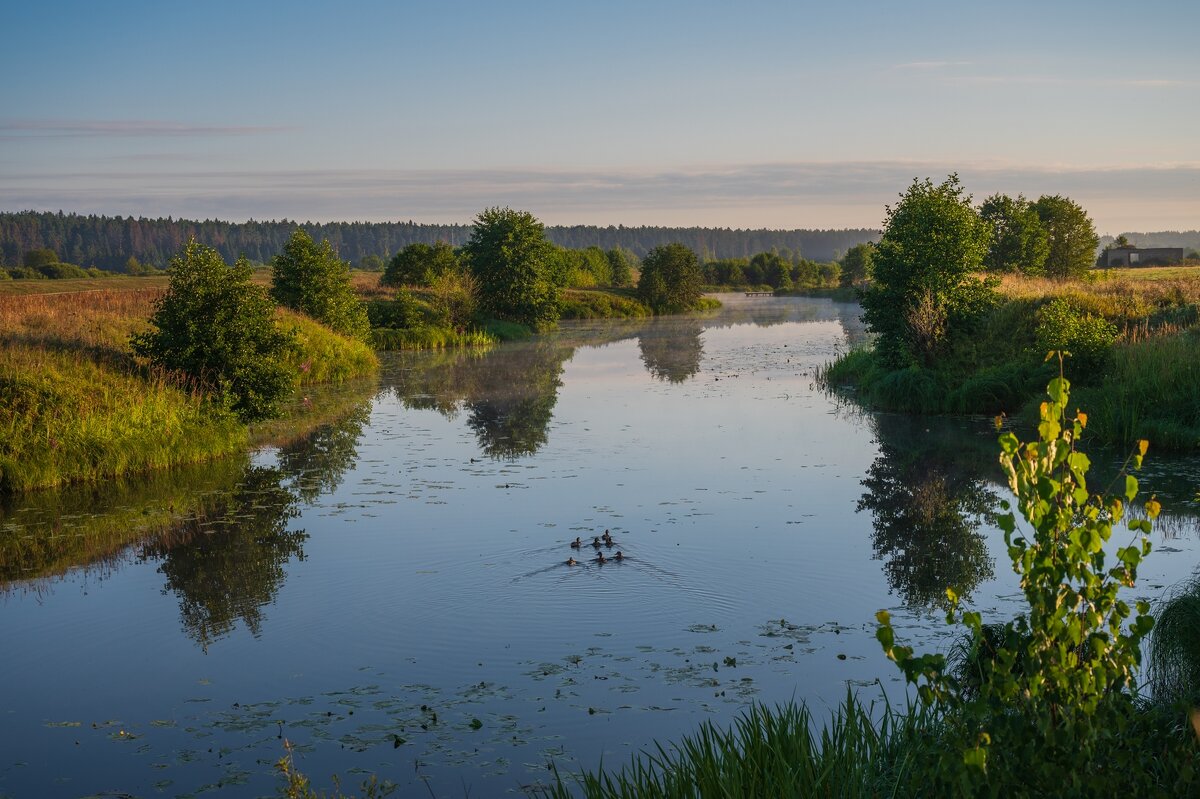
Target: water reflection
x=229 y=564
x=673 y=352
x=928 y=498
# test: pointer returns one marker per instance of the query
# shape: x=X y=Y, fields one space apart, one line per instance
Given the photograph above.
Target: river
x=391 y=594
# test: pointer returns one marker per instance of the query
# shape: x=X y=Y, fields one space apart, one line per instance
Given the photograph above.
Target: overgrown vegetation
x=310 y=278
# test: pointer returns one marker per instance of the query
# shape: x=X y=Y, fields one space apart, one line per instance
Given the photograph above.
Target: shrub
x=219 y=329
x=310 y=278
x=514 y=263
x=670 y=279
x=1050 y=697
x=1088 y=338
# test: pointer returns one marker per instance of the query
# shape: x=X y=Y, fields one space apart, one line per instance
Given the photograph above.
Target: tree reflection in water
x=228 y=563
x=508 y=393
x=672 y=351
x=928 y=499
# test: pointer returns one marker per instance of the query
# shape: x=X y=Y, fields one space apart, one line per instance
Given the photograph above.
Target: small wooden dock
x=760 y=294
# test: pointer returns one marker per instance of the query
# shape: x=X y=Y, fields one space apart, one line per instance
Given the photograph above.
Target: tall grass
x=429 y=337
x=773 y=753
x=1151 y=390
x=323 y=356
x=65 y=416
x=1174 y=660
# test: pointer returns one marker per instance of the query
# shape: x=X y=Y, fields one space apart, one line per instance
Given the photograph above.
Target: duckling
x=618 y=556
x=596 y=541
x=608 y=541
x=576 y=544
x=572 y=562
x=600 y=558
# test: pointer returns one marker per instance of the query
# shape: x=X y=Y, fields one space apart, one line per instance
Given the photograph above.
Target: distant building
x=1142 y=256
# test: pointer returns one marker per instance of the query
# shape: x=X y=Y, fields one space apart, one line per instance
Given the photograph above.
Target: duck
x=572 y=562
x=596 y=541
x=600 y=558
x=608 y=541
x=618 y=556
x=576 y=544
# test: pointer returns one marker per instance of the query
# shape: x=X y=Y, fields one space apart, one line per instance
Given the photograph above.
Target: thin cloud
x=143 y=128
x=795 y=194
x=932 y=64
x=1060 y=80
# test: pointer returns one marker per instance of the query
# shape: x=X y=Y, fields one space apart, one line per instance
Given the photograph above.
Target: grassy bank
x=1134 y=341
x=75 y=405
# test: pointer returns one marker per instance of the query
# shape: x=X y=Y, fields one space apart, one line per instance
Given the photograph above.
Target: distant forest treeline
x=108 y=242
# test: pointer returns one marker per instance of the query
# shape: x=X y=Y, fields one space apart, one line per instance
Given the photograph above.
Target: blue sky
x=755 y=114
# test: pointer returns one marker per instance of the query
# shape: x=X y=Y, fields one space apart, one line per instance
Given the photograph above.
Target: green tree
x=1071 y=234
x=371 y=263
x=310 y=278
x=776 y=271
x=670 y=280
x=856 y=264
x=218 y=328
x=515 y=266
x=419 y=264
x=621 y=263
x=36 y=259
x=1020 y=242
x=933 y=240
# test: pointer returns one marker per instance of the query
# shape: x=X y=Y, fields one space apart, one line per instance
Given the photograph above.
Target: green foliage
x=584 y=268
x=1020 y=242
x=1089 y=338
x=61 y=271
x=775 y=271
x=1052 y=697
x=371 y=263
x=25 y=273
x=419 y=264
x=454 y=298
x=37 y=258
x=932 y=241
x=310 y=278
x=514 y=264
x=621 y=263
x=856 y=264
x=1070 y=234
x=218 y=328
x=670 y=279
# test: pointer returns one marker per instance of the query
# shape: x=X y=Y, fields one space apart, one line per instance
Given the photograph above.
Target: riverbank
x=77 y=406
x=1134 y=339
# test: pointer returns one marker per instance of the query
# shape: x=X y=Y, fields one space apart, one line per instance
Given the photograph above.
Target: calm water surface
x=391 y=596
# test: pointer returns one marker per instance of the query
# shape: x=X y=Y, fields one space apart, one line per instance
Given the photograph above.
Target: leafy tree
x=856 y=264
x=1020 y=242
x=454 y=296
x=621 y=263
x=775 y=269
x=514 y=264
x=419 y=264
x=1071 y=234
x=310 y=278
x=932 y=242
x=670 y=280
x=371 y=263
x=218 y=328
x=36 y=259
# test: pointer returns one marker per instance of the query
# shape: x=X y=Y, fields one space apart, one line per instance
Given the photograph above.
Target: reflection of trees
x=228 y=563
x=672 y=351
x=317 y=463
x=508 y=393
x=928 y=500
